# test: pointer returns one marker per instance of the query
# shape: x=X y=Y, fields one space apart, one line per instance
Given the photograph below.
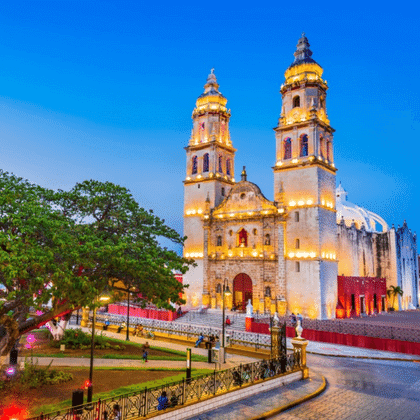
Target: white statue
x=249 y=309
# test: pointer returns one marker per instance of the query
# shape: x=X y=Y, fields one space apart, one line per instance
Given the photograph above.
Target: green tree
x=69 y=247
x=394 y=291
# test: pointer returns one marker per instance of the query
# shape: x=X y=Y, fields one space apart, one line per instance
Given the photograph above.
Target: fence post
x=214 y=382
x=183 y=391
x=145 y=402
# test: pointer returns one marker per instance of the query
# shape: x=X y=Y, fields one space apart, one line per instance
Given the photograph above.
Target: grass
x=125 y=389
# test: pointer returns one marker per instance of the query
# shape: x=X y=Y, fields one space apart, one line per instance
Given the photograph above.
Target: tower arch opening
x=304 y=145
x=287 y=148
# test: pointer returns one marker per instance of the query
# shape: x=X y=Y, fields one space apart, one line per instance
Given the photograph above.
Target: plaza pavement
x=268 y=403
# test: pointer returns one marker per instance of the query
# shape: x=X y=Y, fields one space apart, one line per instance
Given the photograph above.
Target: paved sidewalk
x=268 y=403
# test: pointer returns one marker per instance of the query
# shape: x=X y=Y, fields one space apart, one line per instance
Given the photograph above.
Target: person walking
x=145 y=355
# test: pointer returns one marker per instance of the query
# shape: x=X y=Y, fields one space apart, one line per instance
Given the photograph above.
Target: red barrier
x=374 y=343
x=144 y=313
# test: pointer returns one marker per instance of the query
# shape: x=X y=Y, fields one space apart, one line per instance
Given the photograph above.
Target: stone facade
x=284 y=255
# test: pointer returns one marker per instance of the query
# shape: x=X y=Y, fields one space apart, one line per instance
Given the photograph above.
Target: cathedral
x=283 y=255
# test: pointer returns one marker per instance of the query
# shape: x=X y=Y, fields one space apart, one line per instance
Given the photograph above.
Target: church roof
x=352 y=213
x=244 y=196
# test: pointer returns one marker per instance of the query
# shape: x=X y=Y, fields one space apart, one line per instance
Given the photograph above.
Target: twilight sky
x=105 y=90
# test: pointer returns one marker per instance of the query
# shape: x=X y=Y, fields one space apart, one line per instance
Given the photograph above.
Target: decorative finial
x=243 y=174
x=212 y=71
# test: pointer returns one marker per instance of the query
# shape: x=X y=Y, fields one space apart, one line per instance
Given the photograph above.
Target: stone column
x=281 y=263
x=85 y=317
x=206 y=291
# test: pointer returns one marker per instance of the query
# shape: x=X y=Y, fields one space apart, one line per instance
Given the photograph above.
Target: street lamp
x=226 y=292
x=127 y=338
x=103 y=298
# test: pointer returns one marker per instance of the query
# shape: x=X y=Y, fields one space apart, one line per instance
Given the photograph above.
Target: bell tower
x=210 y=176
x=304 y=175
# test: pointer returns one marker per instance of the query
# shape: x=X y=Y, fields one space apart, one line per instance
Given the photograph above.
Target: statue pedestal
x=248 y=323
x=299 y=349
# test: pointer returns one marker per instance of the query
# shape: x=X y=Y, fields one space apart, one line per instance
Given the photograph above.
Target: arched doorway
x=242 y=290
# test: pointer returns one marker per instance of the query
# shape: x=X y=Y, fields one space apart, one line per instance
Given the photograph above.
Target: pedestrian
x=163 y=401
x=200 y=339
x=145 y=355
x=106 y=324
x=179 y=311
x=293 y=321
x=227 y=320
x=121 y=327
x=117 y=412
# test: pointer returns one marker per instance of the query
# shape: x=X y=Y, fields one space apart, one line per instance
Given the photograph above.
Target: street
x=362 y=389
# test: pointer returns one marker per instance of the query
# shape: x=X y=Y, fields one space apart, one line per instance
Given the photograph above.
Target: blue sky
x=105 y=90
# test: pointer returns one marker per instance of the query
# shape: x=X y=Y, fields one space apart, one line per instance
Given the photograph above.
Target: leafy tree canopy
x=73 y=246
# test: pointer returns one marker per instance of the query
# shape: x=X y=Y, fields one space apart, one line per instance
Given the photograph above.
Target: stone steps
x=213 y=317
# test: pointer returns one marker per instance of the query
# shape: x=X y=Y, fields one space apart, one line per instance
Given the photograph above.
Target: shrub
x=33 y=376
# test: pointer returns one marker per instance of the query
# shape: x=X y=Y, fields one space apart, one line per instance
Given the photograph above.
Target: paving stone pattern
x=362 y=390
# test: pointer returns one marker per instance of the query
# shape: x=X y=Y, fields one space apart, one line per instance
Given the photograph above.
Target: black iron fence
x=148 y=401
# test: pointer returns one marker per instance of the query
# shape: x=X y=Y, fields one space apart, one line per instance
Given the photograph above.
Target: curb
x=292 y=404
x=392 y=359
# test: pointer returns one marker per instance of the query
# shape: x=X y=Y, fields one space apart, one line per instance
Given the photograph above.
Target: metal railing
x=146 y=401
x=243 y=338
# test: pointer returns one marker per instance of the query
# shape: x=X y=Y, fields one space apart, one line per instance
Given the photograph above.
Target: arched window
x=321 y=146
x=223 y=192
x=219 y=241
x=227 y=166
x=328 y=149
x=303 y=145
x=267 y=292
x=194 y=165
x=206 y=162
x=297 y=244
x=267 y=239
x=219 y=288
x=220 y=164
x=243 y=238
x=296 y=101
x=287 y=147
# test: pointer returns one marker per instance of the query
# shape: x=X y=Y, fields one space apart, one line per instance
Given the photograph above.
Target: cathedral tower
x=304 y=176
x=210 y=176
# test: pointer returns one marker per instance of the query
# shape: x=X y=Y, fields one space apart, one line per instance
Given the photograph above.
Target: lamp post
x=226 y=292
x=103 y=298
x=127 y=338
